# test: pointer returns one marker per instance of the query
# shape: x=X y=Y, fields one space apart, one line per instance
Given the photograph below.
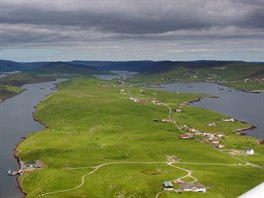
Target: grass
x=222 y=183
x=248 y=86
x=7 y=91
x=90 y=123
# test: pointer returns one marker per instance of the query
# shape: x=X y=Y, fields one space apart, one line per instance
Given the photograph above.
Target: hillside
x=61 y=68
x=138 y=66
x=239 y=74
x=11 y=85
x=9 y=66
x=242 y=75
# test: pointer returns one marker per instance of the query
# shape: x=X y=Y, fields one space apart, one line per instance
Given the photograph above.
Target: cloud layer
x=82 y=23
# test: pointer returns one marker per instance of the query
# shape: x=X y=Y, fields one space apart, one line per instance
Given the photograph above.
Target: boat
x=13 y=173
x=9 y=172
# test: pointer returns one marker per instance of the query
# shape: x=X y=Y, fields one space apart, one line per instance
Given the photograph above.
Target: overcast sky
x=37 y=30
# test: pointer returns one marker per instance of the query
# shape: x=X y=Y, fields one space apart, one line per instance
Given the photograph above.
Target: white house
x=192 y=187
x=249 y=151
x=228 y=120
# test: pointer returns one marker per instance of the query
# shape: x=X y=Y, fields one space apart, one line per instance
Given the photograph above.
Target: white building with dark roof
x=250 y=151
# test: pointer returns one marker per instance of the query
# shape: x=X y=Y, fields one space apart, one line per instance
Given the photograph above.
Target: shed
x=167 y=185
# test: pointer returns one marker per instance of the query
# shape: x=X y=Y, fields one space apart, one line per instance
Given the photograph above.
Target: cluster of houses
x=184 y=186
x=26 y=167
x=123 y=83
x=172 y=158
x=138 y=100
x=122 y=91
x=211 y=138
x=257 y=80
x=155 y=102
x=214 y=139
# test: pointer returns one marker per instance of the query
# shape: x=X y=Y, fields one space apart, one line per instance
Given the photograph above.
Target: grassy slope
x=235 y=71
x=91 y=123
x=7 y=91
x=250 y=86
x=60 y=68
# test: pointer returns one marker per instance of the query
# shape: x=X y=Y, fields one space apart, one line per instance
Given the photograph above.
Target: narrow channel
x=16 y=122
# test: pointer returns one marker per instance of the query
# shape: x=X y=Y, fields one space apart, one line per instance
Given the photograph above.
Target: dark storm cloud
x=133 y=19
x=57 y=21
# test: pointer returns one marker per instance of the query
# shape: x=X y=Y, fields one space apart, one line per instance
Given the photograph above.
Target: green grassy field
x=91 y=123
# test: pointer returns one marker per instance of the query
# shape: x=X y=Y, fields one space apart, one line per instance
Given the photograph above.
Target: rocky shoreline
x=15 y=151
x=18 y=161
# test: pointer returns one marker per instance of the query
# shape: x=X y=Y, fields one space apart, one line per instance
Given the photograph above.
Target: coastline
x=251 y=127
x=11 y=96
x=15 y=150
x=158 y=85
x=238 y=131
x=31 y=190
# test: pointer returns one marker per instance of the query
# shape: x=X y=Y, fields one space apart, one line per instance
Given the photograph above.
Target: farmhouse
x=228 y=120
x=156 y=102
x=215 y=141
x=167 y=120
x=137 y=100
x=192 y=129
x=220 y=135
x=184 y=136
x=249 y=151
x=212 y=124
x=192 y=187
x=168 y=186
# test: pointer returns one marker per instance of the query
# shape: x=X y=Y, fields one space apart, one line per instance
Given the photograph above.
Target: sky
x=52 y=30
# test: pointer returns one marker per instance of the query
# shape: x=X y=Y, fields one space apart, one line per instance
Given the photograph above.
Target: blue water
x=16 y=121
x=243 y=106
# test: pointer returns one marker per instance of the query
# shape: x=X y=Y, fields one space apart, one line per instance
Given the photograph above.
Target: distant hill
x=64 y=68
x=179 y=70
x=9 y=66
x=138 y=66
x=243 y=75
